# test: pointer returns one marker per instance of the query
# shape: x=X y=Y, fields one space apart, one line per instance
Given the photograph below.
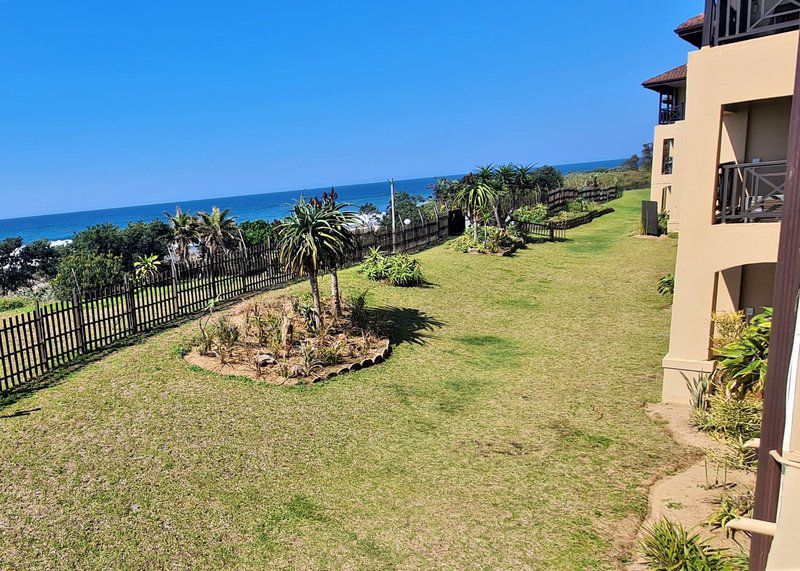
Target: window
x=666 y=167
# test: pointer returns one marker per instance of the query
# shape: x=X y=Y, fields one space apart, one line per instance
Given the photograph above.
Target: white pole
x=394 y=223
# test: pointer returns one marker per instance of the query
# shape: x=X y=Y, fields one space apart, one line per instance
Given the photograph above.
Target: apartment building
x=719 y=168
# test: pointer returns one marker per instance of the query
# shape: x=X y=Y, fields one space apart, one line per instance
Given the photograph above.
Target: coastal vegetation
x=458 y=441
x=399 y=270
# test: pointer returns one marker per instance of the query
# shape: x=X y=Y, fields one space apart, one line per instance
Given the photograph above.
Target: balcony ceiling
x=672 y=78
x=692 y=30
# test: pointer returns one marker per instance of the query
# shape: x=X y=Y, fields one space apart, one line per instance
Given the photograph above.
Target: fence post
x=42 y=345
x=176 y=306
x=552 y=232
x=213 y=276
x=77 y=317
x=244 y=261
x=130 y=299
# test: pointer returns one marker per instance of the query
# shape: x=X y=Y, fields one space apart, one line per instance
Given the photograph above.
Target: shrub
x=224 y=335
x=732 y=505
x=626 y=180
x=91 y=271
x=532 y=214
x=10 y=303
x=666 y=285
x=733 y=418
x=728 y=328
x=376 y=266
x=404 y=271
x=668 y=546
x=491 y=240
x=399 y=270
x=663 y=222
x=743 y=363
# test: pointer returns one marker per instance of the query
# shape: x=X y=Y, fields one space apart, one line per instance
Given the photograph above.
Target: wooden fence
x=35 y=343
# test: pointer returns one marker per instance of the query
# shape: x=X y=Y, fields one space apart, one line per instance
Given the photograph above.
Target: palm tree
x=506 y=176
x=475 y=194
x=343 y=219
x=313 y=235
x=217 y=230
x=524 y=175
x=184 y=232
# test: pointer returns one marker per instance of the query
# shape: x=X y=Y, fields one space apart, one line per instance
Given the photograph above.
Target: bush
x=532 y=214
x=666 y=285
x=399 y=270
x=728 y=328
x=668 y=546
x=663 y=222
x=404 y=271
x=138 y=239
x=92 y=271
x=491 y=240
x=742 y=364
x=730 y=417
x=258 y=232
x=626 y=180
x=11 y=303
x=732 y=505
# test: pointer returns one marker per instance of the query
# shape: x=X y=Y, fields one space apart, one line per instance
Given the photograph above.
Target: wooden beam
x=787 y=286
x=708 y=23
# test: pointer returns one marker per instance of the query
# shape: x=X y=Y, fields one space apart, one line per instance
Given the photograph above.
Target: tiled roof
x=671 y=76
x=695 y=22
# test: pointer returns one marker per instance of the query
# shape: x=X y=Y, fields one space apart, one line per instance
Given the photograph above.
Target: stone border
x=377 y=359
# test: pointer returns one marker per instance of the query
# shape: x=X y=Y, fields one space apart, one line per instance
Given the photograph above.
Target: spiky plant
x=476 y=193
x=311 y=237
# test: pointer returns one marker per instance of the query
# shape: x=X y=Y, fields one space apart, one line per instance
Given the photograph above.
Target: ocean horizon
x=267 y=206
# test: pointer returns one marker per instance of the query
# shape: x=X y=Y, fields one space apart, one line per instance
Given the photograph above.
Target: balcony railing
x=735 y=20
x=751 y=192
x=671 y=114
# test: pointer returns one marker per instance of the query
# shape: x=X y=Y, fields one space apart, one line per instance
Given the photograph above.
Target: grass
x=506 y=431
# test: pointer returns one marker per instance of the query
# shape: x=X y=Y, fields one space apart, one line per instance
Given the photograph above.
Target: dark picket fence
x=56 y=334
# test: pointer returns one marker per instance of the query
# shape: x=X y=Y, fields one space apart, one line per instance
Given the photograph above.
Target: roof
x=675 y=75
x=691 y=23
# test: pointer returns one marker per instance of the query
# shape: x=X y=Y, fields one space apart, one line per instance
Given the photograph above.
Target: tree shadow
x=405 y=325
x=20 y=413
x=543 y=240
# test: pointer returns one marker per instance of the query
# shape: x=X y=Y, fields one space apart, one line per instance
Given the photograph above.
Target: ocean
x=268 y=206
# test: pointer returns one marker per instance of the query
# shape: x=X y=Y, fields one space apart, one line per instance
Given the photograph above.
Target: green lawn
x=507 y=432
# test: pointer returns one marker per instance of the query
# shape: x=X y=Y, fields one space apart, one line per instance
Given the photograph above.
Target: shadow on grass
x=543 y=240
x=406 y=325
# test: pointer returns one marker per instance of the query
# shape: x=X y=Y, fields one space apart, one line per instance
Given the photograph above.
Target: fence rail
x=35 y=343
x=752 y=192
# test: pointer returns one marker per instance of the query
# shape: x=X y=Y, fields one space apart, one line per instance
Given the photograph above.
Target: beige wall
x=768 y=130
x=660 y=180
x=734 y=74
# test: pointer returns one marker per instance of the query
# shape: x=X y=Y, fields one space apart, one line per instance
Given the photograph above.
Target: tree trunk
x=337 y=302
x=475 y=224
x=497 y=217
x=315 y=294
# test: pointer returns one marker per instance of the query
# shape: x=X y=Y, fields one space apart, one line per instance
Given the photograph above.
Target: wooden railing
x=729 y=21
x=670 y=114
x=751 y=192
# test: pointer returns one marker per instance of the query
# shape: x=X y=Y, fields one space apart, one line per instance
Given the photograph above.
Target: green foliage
x=138 y=239
x=183 y=227
x=546 y=178
x=732 y=505
x=11 y=303
x=663 y=222
x=404 y=271
x=146 y=266
x=258 y=232
x=490 y=240
x=533 y=214
x=224 y=335
x=668 y=546
x=742 y=364
x=731 y=417
x=91 y=271
x=666 y=285
x=408 y=207
x=399 y=270
x=217 y=231
x=23 y=265
x=626 y=180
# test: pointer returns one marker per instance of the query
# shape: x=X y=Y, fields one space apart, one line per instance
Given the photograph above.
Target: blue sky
x=106 y=104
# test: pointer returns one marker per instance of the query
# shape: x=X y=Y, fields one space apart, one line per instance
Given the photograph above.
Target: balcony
x=669 y=113
x=750 y=192
x=729 y=21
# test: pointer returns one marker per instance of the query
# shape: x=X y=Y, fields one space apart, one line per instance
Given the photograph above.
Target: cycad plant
x=476 y=193
x=146 y=266
x=184 y=232
x=217 y=230
x=312 y=236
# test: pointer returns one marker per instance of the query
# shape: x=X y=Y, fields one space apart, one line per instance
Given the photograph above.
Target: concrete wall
x=661 y=181
x=719 y=78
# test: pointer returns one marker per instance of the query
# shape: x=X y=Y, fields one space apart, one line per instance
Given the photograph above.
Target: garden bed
x=583 y=218
x=278 y=342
